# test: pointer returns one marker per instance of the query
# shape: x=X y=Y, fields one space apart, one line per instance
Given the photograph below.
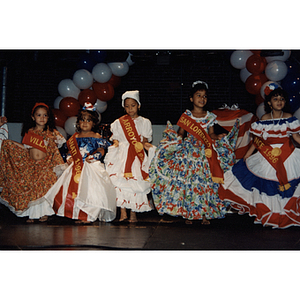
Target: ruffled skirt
x=130 y=193
x=24 y=181
x=96 y=196
x=181 y=178
x=252 y=187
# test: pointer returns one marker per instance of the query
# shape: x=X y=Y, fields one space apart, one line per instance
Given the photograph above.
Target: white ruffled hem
x=35 y=210
x=137 y=202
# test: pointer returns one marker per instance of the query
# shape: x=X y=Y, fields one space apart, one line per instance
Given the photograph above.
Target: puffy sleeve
x=59 y=139
x=115 y=128
x=293 y=126
x=212 y=119
x=146 y=131
x=103 y=143
x=257 y=128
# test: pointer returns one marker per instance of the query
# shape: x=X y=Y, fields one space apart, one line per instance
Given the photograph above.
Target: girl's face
x=85 y=123
x=131 y=107
x=40 y=117
x=277 y=102
x=199 y=99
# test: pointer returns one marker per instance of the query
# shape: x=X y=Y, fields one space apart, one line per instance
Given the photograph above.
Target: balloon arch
x=261 y=72
x=94 y=82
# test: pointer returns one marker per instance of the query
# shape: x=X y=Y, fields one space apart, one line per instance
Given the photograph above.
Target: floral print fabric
x=180 y=174
x=24 y=179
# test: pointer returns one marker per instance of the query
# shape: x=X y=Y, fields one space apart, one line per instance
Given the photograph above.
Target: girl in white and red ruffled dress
x=266 y=184
x=84 y=192
x=28 y=170
x=127 y=162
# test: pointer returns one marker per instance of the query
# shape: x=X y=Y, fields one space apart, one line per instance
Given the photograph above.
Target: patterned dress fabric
x=180 y=175
x=24 y=180
x=252 y=186
x=95 y=195
x=3 y=133
x=130 y=193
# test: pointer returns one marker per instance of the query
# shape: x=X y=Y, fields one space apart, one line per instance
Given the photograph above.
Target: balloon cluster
x=94 y=82
x=258 y=72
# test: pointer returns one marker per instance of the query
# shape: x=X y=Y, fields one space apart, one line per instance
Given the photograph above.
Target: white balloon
x=297 y=114
x=70 y=125
x=119 y=68
x=239 y=58
x=284 y=57
x=83 y=79
x=62 y=131
x=276 y=70
x=101 y=72
x=101 y=106
x=99 y=118
x=67 y=88
x=273 y=85
x=260 y=111
x=57 y=101
x=129 y=60
x=244 y=74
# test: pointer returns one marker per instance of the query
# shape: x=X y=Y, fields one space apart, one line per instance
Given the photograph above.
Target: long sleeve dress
x=131 y=193
x=253 y=187
x=24 y=181
x=95 y=197
x=180 y=176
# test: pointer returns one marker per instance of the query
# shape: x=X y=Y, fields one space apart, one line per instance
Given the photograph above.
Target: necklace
x=279 y=117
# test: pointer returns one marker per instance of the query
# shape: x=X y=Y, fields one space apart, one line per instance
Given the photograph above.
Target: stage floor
x=152 y=232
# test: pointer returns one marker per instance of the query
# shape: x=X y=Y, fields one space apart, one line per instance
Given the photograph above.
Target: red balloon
x=87 y=95
x=104 y=91
x=59 y=117
x=69 y=106
x=114 y=80
x=254 y=82
x=256 y=64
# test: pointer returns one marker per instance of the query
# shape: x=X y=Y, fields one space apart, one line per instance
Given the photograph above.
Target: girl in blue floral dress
x=185 y=173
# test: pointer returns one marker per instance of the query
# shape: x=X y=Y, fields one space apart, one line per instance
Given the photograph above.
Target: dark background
x=163 y=78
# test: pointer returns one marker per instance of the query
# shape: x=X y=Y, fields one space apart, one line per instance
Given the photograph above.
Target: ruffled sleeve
x=293 y=126
x=146 y=129
x=103 y=143
x=276 y=128
x=115 y=128
x=59 y=139
x=257 y=128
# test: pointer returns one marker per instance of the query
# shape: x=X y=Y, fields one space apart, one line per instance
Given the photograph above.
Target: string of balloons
x=94 y=82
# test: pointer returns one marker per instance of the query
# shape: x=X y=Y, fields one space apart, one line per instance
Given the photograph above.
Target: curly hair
x=274 y=93
x=94 y=116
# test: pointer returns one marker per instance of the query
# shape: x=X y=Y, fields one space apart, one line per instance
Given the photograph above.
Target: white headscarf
x=133 y=95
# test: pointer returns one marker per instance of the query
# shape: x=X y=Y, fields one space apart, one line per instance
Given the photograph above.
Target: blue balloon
x=86 y=62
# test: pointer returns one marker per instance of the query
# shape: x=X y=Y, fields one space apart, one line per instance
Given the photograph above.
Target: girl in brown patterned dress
x=27 y=168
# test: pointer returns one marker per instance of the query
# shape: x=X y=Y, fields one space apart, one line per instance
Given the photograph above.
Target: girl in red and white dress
x=266 y=184
x=84 y=192
x=127 y=162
